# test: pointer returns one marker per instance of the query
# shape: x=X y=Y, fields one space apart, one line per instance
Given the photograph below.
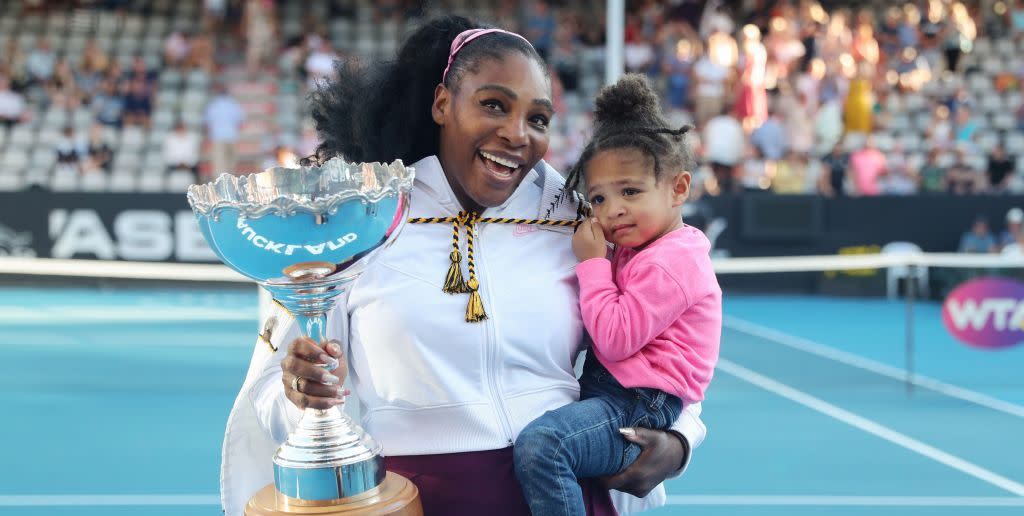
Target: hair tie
x=465 y=37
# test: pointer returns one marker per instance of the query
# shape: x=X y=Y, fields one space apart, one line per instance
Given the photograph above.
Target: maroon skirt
x=479 y=483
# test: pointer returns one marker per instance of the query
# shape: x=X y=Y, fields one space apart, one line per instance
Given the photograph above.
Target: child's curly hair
x=628 y=116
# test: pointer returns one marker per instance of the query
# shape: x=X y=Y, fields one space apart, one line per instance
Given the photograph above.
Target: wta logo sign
x=986 y=313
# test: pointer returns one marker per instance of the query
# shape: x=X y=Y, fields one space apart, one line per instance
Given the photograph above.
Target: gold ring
x=295 y=384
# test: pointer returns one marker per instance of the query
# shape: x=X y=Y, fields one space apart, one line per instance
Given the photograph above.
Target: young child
x=653 y=311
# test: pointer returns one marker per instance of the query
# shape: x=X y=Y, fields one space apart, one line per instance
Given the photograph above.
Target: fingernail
x=335 y=402
x=342 y=392
x=330 y=379
x=329 y=362
x=628 y=432
x=334 y=348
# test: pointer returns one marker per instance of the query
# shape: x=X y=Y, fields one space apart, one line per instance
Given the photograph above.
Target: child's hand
x=589 y=242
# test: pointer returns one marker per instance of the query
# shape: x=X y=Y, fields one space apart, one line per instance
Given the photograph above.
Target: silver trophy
x=304 y=235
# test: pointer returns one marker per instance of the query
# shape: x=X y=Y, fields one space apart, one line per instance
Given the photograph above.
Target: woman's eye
x=493 y=105
x=540 y=121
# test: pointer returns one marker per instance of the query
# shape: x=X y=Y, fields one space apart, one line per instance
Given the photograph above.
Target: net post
x=909 y=327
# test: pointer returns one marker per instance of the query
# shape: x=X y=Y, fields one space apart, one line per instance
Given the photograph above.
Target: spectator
x=138 y=102
x=898 y=178
x=933 y=176
x=62 y=87
x=13 y=63
x=1015 y=248
x=41 y=62
x=711 y=79
x=175 y=49
x=12 y=104
x=99 y=152
x=723 y=141
x=979 y=239
x=940 y=132
x=69 y=150
x=259 y=28
x=1016 y=15
x=858 y=107
x=1000 y=169
x=832 y=183
x=94 y=60
x=965 y=126
x=140 y=71
x=200 y=53
x=889 y=34
x=1012 y=234
x=793 y=175
x=181 y=149
x=223 y=118
x=808 y=83
x=540 y=27
x=865 y=47
x=961 y=179
x=752 y=103
x=798 y=114
x=957 y=36
x=565 y=58
x=770 y=138
x=108 y=104
x=828 y=125
x=753 y=173
x=320 y=64
x=784 y=50
x=866 y=165
x=90 y=73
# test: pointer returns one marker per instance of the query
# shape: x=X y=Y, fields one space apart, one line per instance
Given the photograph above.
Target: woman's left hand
x=662 y=455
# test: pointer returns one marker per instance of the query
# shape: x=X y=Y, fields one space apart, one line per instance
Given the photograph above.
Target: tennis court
x=115 y=401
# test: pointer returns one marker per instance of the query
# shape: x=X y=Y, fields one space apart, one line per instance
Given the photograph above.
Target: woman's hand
x=663 y=454
x=313 y=375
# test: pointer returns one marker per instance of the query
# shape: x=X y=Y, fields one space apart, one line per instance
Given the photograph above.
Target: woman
x=445 y=397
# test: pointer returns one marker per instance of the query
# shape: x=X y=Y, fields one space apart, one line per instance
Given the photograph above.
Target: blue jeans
x=582 y=439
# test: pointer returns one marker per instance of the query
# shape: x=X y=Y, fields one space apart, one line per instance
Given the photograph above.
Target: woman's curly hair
x=382 y=111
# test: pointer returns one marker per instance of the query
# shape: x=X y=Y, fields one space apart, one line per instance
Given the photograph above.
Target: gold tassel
x=475 y=308
x=453 y=282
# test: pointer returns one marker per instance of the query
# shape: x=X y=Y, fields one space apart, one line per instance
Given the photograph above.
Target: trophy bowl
x=304 y=235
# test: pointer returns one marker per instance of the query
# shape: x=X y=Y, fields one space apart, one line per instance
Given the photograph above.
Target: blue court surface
x=114 y=403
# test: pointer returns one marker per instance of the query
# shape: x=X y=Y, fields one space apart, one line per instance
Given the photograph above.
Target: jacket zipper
x=491 y=348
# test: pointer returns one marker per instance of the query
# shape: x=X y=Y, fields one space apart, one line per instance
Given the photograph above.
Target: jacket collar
x=430 y=179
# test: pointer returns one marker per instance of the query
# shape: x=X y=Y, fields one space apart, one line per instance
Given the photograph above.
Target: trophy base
x=396 y=496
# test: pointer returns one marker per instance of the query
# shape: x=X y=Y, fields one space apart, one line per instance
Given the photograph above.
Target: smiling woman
x=447 y=394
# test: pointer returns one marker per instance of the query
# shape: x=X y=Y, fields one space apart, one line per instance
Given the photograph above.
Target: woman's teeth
x=503 y=162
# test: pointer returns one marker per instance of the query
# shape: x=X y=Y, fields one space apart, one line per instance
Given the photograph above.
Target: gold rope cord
x=454 y=283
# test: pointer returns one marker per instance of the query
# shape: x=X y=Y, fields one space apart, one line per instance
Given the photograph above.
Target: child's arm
x=621 y=321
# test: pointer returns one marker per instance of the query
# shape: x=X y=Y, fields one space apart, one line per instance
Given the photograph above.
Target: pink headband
x=465 y=37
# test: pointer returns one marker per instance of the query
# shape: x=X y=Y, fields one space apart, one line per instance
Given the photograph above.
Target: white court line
x=77 y=315
x=851 y=359
x=849 y=501
x=870 y=426
x=106 y=500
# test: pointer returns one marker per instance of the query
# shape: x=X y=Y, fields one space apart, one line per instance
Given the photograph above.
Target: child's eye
x=597 y=199
x=629 y=192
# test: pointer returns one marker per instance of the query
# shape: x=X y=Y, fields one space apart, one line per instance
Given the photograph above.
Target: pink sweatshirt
x=656 y=315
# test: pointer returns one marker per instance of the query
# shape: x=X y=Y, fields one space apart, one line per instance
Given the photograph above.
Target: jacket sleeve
x=277 y=415
x=623 y=319
x=690 y=426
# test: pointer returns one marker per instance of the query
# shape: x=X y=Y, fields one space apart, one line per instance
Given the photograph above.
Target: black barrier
x=161 y=227
x=137 y=227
